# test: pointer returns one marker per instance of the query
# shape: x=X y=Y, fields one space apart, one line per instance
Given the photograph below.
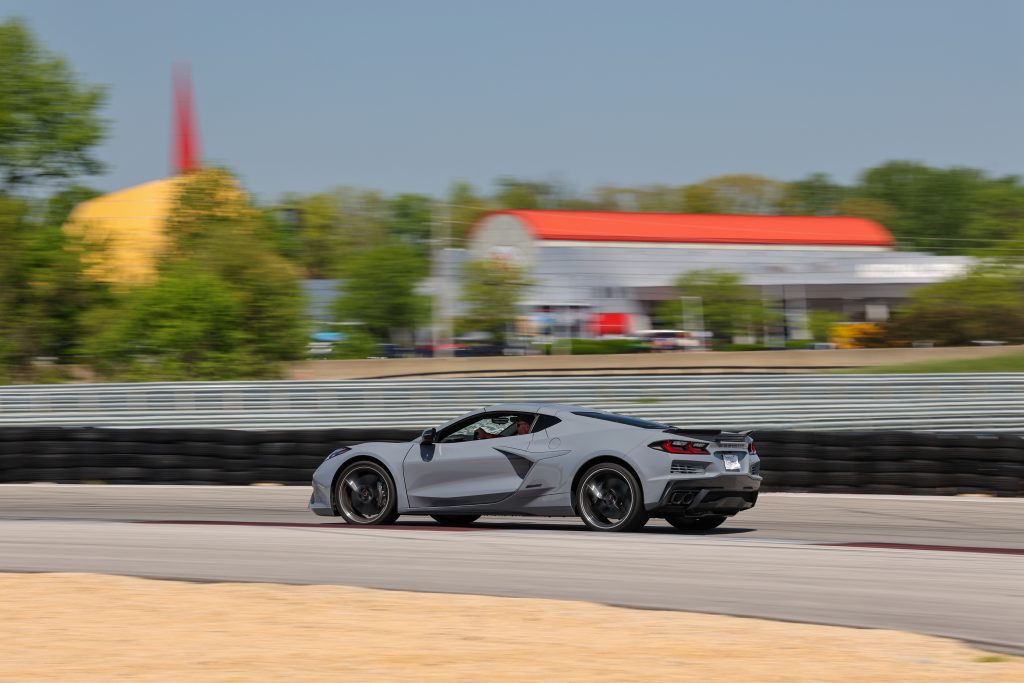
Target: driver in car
x=522 y=427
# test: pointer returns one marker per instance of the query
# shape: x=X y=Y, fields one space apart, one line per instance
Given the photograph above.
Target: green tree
x=815 y=195
x=16 y=338
x=48 y=127
x=610 y=198
x=931 y=207
x=984 y=304
x=735 y=194
x=862 y=207
x=997 y=219
x=728 y=306
x=465 y=207
x=379 y=291
x=491 y=290
x=42 y=291
x=700 y=198
x=217 y=228
x=58 y=207
x=312 y=227
x=189 y=325
x=412 y=217
x=666 y=199
x=524 y=194
x=255 y=313
x=820 y=324
x=356 y=344
x=48 y=121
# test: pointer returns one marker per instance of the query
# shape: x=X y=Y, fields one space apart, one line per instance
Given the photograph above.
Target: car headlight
x=338 y=451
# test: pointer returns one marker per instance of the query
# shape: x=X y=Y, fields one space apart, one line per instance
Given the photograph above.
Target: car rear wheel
x=705 y=523
x=366 y=494
x=455 y=520
x=609 y=498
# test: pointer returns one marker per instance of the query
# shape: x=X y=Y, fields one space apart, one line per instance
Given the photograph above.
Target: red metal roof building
x=596 y=262
x=607 y=226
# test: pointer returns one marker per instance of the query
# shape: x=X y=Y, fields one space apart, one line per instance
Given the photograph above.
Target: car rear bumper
x=725 y=494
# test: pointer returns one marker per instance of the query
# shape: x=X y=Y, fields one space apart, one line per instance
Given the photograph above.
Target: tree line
x=936 y=210
x=227 y=302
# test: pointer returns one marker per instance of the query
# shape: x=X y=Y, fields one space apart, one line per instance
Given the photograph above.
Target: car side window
x=544 y=421
x=491 y=426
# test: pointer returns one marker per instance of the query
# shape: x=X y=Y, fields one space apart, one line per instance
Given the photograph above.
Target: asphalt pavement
x=943 y=566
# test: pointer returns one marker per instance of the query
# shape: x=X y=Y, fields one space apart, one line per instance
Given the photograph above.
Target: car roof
x=550 y=408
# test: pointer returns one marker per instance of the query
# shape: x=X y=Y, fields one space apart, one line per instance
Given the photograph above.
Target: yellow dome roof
x=122 y=233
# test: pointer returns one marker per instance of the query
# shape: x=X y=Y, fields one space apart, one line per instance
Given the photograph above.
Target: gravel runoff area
x=86 y=627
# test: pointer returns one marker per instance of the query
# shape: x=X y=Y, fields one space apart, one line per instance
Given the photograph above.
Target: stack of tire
x=172 y=456
x=826 y=462
x=892 y=462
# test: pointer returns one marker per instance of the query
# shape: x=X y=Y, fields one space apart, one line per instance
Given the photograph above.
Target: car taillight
x=751 y=448
x=676 y=447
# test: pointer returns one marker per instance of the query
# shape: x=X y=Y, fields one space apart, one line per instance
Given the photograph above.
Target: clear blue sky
x=303 y=95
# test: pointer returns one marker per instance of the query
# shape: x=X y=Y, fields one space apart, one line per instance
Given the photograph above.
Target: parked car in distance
x=671 y=340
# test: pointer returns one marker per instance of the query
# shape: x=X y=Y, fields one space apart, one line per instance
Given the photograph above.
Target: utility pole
x=440 y=323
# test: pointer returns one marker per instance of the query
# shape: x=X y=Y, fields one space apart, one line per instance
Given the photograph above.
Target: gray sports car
x=548 y=459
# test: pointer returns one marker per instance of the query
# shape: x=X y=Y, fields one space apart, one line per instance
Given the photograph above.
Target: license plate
x=732 y=462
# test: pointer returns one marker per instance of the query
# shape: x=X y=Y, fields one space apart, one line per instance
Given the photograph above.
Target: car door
x=469 y=472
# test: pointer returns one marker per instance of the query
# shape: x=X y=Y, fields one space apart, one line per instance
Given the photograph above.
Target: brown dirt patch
x=83 y=627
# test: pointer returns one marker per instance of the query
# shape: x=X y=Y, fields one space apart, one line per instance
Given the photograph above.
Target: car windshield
x=622 y=419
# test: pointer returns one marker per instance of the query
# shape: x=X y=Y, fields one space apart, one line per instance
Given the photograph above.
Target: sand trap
x=83 y=627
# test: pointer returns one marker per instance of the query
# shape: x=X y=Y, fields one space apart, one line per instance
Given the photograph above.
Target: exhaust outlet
x=682 y=497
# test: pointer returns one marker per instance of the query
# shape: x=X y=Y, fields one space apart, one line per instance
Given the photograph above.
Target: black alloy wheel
x=609 y=498
x=366 y=494
x=705 y=523
x=455 y=520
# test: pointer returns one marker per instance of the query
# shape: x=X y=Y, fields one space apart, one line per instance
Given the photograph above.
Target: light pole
x=693 y=321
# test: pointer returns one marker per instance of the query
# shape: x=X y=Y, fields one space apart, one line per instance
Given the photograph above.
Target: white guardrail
x=946 y=402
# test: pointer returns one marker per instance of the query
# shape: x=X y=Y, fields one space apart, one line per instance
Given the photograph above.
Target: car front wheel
x=365 y=494
x=609 y=498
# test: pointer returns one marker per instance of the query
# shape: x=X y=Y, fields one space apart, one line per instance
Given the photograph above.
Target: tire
x=706 y=523
x=365 y=493
x=609 y=498
x=455 y=520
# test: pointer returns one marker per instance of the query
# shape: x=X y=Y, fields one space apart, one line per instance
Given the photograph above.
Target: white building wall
x=608 y=276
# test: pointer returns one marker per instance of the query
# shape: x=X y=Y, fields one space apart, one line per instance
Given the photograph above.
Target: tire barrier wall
x=826 y=462
x=173 y=456
x=892 y=462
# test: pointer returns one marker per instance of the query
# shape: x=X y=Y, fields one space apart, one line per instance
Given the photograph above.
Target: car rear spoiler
x=716 y=435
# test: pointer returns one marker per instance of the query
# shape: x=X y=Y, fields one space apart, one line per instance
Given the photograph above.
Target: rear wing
x=710 y=433
x=717 y=436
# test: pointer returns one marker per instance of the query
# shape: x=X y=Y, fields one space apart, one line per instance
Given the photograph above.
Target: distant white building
x=588 y=265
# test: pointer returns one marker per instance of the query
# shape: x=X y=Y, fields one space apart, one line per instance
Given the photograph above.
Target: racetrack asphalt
x=943 y=566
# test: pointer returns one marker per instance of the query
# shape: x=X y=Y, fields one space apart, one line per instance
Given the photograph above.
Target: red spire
x=186 y=134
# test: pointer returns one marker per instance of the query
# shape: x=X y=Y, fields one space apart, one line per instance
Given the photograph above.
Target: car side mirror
x=429 y=435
